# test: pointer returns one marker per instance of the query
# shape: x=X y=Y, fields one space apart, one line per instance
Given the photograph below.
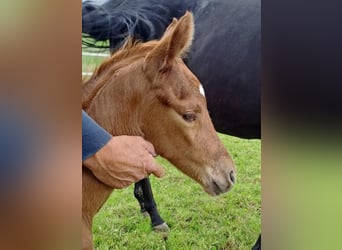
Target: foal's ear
x=176 y=41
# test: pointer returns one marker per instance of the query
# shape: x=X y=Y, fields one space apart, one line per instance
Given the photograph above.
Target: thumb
x=157 y=170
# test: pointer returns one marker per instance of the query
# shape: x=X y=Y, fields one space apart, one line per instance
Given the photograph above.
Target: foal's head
x=152 y=93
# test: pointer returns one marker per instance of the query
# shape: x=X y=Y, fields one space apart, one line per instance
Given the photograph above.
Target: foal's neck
x=116 y=102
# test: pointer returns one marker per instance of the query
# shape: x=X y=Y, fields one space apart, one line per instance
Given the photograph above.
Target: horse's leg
x=257 y=245
x=94 y=195
x=150 y=205
x=138 y=194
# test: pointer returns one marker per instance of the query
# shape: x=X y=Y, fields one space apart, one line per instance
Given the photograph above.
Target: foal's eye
x=189 y=117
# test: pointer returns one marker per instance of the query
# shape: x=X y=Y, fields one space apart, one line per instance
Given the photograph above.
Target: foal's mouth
x=219 y=190
x=217 y=187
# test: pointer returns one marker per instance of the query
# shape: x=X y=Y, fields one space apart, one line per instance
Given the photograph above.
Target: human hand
x=124 y=160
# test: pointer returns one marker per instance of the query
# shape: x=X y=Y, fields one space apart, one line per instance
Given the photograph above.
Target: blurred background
x=40 y=79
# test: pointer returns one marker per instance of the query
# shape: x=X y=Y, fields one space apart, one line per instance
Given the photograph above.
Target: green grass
x=197 y=221
x=104 y=44
x=89 y=63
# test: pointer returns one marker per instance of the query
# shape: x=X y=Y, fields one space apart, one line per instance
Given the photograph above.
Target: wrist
x=94 y=161
x=91 y=162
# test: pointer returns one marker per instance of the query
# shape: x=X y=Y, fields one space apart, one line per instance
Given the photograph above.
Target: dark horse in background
x=229 y=28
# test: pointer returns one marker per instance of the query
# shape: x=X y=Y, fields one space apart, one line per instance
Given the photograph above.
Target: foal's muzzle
x=222 y=179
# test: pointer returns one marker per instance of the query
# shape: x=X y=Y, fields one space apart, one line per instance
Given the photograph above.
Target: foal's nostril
x=232 y=176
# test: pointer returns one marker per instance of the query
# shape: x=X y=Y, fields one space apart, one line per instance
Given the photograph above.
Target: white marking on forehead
x=201 y=89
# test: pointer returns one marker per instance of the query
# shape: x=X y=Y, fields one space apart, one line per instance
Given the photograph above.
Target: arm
x=93 y=136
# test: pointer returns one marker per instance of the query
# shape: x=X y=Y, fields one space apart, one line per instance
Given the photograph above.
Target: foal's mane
x=128 y=54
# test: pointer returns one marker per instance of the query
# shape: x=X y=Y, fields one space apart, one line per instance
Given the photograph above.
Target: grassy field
x=197 y=221
x=90 y=62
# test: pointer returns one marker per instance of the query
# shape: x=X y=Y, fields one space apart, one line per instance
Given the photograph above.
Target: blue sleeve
x=94 y=137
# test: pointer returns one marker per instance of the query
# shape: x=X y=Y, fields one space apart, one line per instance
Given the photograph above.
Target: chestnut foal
x=146 y=90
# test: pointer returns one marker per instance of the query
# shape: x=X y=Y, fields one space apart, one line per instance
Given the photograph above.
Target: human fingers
x=149 y=147
x=155 y=169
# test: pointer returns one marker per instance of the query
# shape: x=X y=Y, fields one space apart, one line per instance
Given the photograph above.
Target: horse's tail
x=115 y=20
